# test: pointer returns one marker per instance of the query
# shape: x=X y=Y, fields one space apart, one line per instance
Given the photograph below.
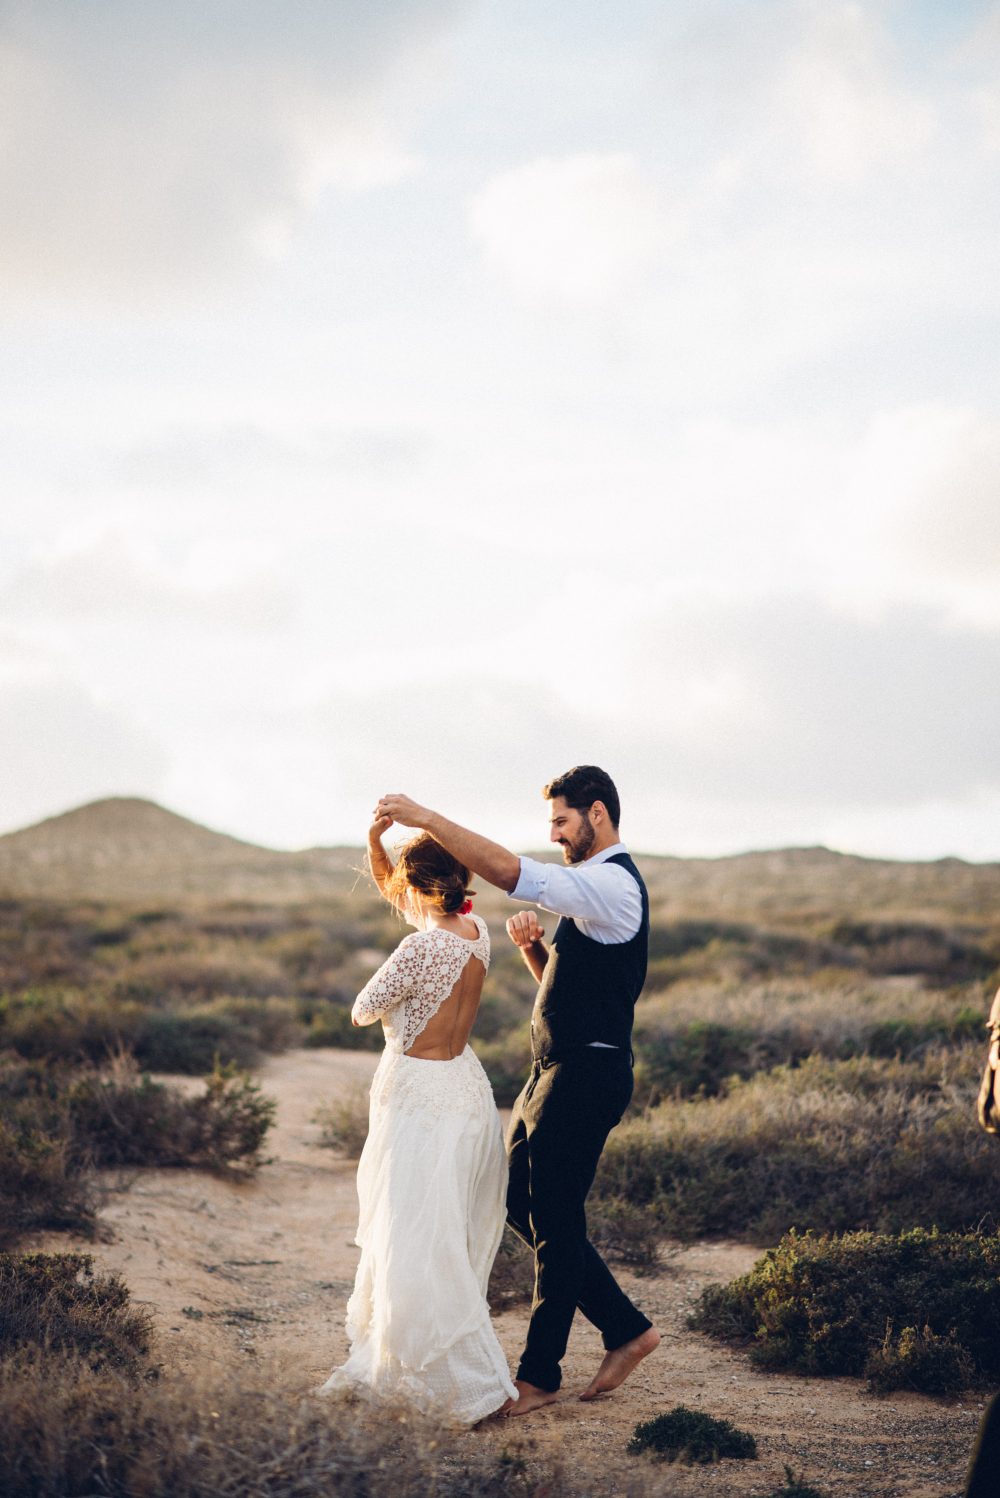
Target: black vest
x=588 y=989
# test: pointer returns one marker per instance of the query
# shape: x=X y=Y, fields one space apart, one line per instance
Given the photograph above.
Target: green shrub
x=828 y=1305
x=833 y=1146
x=123 y=1119
x=56 y=1303
x=685 y=1435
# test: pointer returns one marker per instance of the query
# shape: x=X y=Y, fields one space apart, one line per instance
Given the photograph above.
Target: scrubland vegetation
x=85 y=1409
x=799 y=1065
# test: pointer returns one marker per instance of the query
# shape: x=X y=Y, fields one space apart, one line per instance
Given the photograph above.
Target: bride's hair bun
x=431 y=870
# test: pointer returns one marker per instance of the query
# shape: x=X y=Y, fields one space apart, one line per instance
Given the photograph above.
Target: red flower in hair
x=464 y=909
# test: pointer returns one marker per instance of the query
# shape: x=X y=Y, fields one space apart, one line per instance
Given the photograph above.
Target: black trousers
x=560 y=1123
x=984 y=1469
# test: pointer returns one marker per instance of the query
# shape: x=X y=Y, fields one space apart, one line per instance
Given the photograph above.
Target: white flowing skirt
x=432 y=1186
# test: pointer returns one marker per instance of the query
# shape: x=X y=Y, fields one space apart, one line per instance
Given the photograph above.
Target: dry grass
x=344 y=1123
x=65 y=1433
x=55 y=1303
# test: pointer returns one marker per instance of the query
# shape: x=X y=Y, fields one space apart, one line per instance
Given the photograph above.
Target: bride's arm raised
x=487 y=859
x=379 y=861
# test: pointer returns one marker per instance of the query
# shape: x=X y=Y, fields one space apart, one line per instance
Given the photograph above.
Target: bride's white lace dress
x=432 y=1184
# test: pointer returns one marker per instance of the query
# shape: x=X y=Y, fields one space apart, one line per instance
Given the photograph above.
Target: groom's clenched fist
x=523 y=928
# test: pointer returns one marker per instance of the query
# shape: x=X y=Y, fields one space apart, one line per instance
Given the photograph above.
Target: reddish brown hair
x=431 y=870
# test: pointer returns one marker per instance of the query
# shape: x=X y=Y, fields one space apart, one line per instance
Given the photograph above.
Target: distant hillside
x=131 y=850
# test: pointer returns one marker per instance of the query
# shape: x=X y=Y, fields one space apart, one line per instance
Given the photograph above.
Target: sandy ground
x=262 y=1269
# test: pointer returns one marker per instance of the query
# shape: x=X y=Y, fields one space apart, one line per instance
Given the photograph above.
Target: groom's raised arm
x=489 y=860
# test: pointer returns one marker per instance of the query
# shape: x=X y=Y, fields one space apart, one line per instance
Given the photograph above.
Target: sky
x=431 y=395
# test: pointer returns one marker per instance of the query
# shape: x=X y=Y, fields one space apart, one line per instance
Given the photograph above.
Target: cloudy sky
x=429 y=395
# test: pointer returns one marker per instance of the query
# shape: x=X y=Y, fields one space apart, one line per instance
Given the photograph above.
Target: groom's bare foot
x=617 y=1365
x=529 y=1397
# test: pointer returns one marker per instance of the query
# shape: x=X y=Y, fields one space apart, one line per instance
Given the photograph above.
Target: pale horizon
x=432 y=396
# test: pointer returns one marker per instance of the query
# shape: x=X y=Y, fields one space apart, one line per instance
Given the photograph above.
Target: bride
x=432 y=1178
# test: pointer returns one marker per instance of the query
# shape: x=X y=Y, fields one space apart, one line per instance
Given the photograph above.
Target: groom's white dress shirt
x=601 y=898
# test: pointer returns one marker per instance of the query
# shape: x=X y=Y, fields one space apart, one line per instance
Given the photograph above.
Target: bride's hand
x=381 y=822
x=402 y=809
x=523 y=928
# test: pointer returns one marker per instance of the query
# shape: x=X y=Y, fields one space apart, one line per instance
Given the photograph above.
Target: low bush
x=56 y=1303
x=125 y=1119
x=625 y=1232
x=73 y=1026
x=708 y=1035
x=58 y=1122
x=830 y=1305
x=833 y=1146
x=689 y=1436
x=40 y=1183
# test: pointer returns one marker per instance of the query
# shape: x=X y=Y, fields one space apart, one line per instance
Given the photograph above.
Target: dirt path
x=263 y=1268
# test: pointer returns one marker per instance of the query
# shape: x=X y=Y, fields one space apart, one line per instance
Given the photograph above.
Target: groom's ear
x=598 y=810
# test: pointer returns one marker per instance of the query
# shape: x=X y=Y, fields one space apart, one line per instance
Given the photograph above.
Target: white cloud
x=148 y=147
x=842 y=108
x=117 y=576
x=576 y=229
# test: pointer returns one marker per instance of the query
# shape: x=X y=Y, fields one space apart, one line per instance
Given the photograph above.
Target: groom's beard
x=576 y=851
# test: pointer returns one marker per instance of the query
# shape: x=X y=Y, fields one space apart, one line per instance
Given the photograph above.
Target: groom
x=581 y=1076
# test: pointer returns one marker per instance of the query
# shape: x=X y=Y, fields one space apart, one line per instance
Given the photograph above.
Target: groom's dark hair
x=582 y=786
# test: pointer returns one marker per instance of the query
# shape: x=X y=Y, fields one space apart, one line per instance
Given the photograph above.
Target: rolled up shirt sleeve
x=602 y=897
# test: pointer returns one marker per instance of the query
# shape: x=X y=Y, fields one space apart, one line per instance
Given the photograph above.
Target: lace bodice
x=411 y=985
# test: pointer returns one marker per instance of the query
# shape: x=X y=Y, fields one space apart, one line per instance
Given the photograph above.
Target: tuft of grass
x=794 y=1487
x=690 y=1436
x=828 y=1305
x=55 y=1303
x=344 y=1123
x=920 y=1359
